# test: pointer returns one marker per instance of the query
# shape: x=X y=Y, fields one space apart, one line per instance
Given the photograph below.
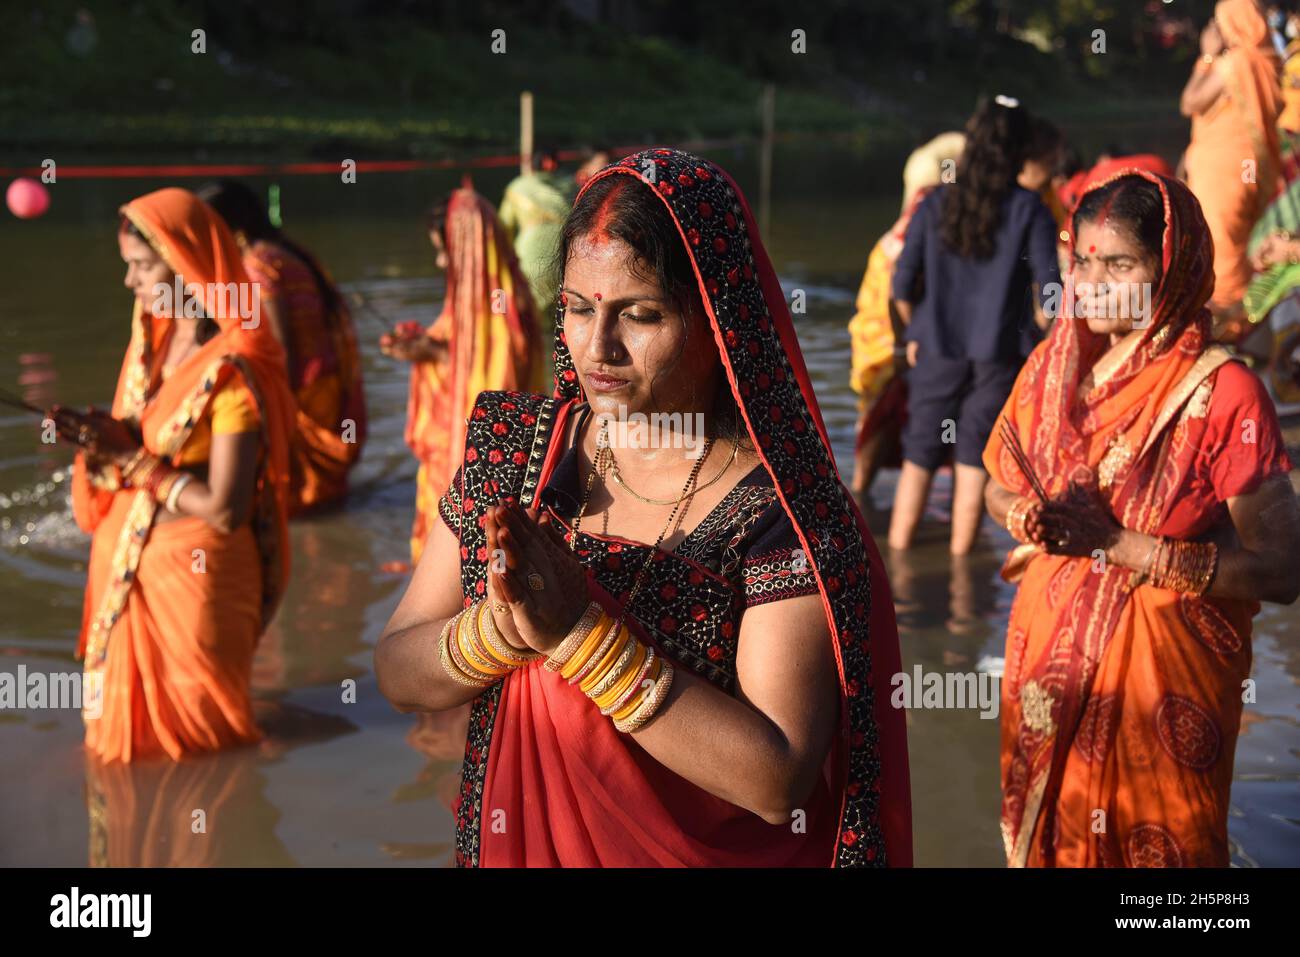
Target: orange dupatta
x=490 y=326
x=1114 y=715
x=135 y=649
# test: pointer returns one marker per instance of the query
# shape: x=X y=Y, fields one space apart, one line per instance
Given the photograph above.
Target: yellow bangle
x=472 y=648
x=594 y=637
x=624 y=650
x=456 y=645
x=628 y=668
x=499 y=650
x=576 y=636
x=642 y=671
x=448 y=664
x=650 y=707
x=638 y=699
x=613 y=649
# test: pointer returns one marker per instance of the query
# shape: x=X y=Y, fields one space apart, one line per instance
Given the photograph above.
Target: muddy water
x=342 y=779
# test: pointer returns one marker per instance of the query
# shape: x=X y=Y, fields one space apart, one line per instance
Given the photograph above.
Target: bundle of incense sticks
x=9 y=399
x=1012 y=440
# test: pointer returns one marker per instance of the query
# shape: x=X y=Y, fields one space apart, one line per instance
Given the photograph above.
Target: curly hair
x=997 y=138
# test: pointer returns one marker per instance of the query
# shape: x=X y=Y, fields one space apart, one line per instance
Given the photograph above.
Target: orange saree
x=490 y=327
x=172 y=613
x=1121 y=705
x=325 y=375
x=1233 y=161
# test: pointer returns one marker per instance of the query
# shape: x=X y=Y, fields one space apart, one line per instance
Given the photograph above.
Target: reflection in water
x=341 y=781
x=204 y=812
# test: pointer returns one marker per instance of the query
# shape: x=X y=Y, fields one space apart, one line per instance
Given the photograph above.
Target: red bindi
x=1092 y=249
x=598 y=297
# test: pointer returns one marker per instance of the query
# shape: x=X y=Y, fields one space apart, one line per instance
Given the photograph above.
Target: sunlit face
x=145 y=270
x=439 y=248
x=620 y=324
x=1114 y=277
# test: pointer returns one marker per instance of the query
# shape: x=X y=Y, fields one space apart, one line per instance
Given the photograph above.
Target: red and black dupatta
x=764 y=367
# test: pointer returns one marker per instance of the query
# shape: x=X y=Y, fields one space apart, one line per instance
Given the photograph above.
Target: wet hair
x=1133 y=204
x=997 y=138
x=623 y=208
x=244 y=211
x=206 y=327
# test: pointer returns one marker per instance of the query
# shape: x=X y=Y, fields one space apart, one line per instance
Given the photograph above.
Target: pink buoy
x=26 y=198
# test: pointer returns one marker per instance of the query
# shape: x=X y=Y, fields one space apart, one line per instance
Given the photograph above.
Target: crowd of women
x=686 y=659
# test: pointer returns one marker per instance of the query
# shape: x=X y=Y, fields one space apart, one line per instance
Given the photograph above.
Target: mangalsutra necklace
x=600 y=464
x=672 y=501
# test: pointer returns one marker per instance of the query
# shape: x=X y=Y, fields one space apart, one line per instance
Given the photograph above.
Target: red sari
x=1121 y=705
x=547 y=781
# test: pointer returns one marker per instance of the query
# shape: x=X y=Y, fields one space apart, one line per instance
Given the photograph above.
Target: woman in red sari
x=310 y=318
x=745 y=657
x=1170 y=518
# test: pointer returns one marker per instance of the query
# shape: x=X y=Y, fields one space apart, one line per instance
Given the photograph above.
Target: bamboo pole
x=525 y=132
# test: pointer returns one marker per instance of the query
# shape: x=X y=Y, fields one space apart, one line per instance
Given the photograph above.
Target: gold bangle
x=471 y=646
x=444 y=655
x=501 y=650
x=574 y=639
x=617 y=673
x=610 y=652
x=599 y=657
x=651 y=706
x=583 y=654
x=457 y=651
x=634 y=702
x=629 y=666
x=626 y=697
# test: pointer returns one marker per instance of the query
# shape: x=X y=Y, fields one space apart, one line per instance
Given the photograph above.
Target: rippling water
x=341 y=782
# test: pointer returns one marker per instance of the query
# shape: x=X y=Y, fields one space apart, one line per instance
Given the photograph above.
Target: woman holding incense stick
x=1144 y=475
x=184 y=488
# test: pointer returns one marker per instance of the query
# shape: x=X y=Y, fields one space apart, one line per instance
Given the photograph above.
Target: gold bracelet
x=471 y=646
x=599 y=657
x=582 y=657
x=456 y=646
x=502 y=651
x=634 y=702
x=626 y=697
x=651 y=706
x=605 y=659
x=617 y=673
x=444 y=655
x=628 y=669
x=574 y=639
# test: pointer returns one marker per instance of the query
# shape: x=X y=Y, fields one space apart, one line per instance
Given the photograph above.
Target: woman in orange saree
x=486 y=337
x=1170 y=516
x=748 y=671
x=1233 y=162
x=183 y=488
x=311 y=319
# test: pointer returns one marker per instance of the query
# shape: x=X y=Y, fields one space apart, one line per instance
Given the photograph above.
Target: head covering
x=490 y=325
x=1253 y=71
x=765 y=371
x=924 y=166
x=199 y=248
x=1066 y=433
x=1241 y=23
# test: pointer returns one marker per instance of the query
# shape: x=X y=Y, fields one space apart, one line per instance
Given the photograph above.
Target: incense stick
x=8 y=398
x=1012 y=440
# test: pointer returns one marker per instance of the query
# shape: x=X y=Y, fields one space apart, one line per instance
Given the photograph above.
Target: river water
x=342 y=779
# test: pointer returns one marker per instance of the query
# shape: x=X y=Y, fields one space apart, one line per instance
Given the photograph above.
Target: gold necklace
x=671 y=501
x=598 y=465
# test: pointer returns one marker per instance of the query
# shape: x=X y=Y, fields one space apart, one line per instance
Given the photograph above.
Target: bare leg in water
x=909 y=502
x=913 y=491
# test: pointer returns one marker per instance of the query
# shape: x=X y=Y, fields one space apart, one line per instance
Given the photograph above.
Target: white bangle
x=174 y=496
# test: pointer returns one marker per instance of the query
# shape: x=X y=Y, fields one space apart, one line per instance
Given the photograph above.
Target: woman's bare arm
x=1258 y=556
x=407 y=663
x=225 y=500
x=764 y=748
x=1203 y=88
